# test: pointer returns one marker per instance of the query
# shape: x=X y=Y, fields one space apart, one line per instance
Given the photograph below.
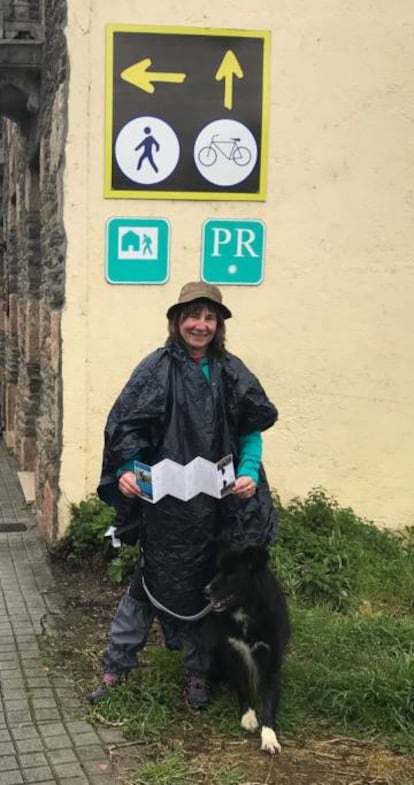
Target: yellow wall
x=330 y=330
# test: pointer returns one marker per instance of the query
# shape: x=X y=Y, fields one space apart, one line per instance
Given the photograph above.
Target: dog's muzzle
x=218 y=606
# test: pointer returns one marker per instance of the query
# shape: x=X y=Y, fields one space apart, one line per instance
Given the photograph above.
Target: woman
x=189 y=398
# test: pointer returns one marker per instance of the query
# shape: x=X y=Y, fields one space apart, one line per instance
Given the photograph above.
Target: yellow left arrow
x=139 y=76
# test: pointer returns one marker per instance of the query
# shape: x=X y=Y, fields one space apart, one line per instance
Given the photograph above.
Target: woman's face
x=198 y=328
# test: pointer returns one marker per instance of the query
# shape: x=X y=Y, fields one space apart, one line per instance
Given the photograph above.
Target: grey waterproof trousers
x=131 y=625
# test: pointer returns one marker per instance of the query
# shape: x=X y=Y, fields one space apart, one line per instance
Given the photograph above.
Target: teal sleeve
x=205 y=368
x=127 y=467
x=251 y=449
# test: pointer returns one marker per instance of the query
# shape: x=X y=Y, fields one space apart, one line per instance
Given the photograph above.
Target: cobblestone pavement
x=43 y=739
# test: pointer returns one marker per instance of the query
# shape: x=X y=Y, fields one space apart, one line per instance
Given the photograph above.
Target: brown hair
x=217 y=345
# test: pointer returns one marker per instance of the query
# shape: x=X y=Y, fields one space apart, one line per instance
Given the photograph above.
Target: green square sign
x=137 y=250
x=233 y=252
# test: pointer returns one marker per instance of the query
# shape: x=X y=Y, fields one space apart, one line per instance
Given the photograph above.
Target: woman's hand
x=127 y=484
x=244 y=487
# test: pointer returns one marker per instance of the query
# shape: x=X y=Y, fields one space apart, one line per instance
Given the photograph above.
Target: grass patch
x=228 y=776
x=350 y=668
x=173 y=768
x=150 y=699
x=351 y=674
x=347 y=674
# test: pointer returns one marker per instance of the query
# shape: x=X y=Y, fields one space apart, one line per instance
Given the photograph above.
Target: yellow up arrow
x=139 y=76
x=228 y=69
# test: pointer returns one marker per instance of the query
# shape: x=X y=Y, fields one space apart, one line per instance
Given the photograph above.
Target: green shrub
x=85 y=535
x=85 y=540
x=324 y=555
x=327 y=555
x=123 y=565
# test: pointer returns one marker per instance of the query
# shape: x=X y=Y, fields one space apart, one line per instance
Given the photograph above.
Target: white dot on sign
x=232 y=269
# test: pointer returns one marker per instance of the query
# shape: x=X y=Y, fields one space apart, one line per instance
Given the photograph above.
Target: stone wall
x=32 y=275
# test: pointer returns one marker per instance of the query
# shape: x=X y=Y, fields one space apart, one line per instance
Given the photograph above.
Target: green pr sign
x=137 y=250
x=233 y=252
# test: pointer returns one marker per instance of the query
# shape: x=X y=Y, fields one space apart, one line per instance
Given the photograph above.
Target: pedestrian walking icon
x=148 y=143
x=147 y=150
x=146 y=245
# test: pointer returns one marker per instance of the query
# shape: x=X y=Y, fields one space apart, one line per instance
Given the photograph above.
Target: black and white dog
x=251 y=634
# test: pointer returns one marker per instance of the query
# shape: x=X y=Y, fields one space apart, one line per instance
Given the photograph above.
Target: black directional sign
x=186 y=113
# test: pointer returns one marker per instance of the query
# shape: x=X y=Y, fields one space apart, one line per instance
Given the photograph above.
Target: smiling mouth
x=221 y=605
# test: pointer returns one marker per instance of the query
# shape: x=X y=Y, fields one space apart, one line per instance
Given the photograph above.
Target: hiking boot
x=196 y=693
x=109 y=681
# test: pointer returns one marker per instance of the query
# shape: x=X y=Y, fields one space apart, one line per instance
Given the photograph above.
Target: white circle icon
x=147 y=150
x=225 y=152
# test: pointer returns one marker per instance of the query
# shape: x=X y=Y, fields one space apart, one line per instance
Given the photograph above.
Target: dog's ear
x=257 y=557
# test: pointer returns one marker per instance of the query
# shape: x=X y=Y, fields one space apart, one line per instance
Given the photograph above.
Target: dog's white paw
x=249 y=720
x=270 y=743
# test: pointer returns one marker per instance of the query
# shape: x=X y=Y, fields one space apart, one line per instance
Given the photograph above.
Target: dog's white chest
x=241 y=618
x=245 y=652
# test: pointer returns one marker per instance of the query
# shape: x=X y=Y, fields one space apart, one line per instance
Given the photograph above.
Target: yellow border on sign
x=109 y=192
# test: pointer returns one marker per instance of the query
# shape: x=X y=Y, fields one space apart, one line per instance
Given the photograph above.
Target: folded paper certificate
x=168 y=478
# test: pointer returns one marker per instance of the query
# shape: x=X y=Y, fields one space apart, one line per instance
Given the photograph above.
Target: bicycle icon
x=228 y=148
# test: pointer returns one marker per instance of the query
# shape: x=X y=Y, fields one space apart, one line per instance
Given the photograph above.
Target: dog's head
x=236 y=570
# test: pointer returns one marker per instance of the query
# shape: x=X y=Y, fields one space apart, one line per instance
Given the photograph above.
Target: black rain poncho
x=168 y=409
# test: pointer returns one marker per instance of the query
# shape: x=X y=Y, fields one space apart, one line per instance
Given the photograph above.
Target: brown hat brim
x=226 y=314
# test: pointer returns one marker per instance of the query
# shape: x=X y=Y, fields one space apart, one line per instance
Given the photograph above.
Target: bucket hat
x=199 y=290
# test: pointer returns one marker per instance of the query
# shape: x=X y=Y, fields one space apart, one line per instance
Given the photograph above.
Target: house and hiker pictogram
x=137 y=243
x=137 y=250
